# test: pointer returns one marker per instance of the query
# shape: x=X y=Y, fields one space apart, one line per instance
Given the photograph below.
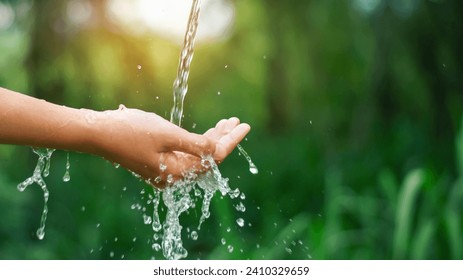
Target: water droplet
x=156 y=247
x=223 y=241
x=139 y=67
x=194 y=235
x=67 y=176
x=240 y=207
x=226 y=66
x=228 y=229
x=253 y=169
x=82 y=208
x=40 y=233
x=146 y=219
x=170 y=179
x=242 y=196
x=162 y=167
x=230 y=248
x=111 y=254
x=288 y=250
x=218 y=93
x=98 y=225
x=116 y=165
x=205 y=163
x=234 y=194
x=134 y=239
x=193 y=126
x=240 y=222
x=115 y=239
x=158 y=179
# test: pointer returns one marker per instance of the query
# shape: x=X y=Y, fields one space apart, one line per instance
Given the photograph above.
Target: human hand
x=157 y=150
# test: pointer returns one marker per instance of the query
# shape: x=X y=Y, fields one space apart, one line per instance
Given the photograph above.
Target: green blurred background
x=355 y=107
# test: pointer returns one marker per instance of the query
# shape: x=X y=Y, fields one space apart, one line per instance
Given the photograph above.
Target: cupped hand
x=159 y=151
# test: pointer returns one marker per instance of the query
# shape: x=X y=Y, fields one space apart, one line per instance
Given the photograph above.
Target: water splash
x=42 y=169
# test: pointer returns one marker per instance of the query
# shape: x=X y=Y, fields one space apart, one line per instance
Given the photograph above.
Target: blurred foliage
x=356 y=109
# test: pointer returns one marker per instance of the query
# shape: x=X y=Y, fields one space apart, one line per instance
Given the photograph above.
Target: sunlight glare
x=169 y=17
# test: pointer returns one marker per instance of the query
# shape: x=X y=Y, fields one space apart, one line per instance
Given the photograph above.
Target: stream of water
x=42 y=169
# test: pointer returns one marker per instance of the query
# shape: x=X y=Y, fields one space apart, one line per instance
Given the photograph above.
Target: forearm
x=25 y=120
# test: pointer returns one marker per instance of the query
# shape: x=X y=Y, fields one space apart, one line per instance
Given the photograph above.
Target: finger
x=228 y=142
x=230 y=125
x=220 y=124
x=222 y=128
x=191 y=143
x=210 y=133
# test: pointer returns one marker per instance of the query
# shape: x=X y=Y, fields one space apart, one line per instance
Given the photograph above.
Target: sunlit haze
x=169 y=17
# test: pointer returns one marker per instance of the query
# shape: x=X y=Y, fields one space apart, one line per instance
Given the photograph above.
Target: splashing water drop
x=252 y=167
x=162 y=167
x=240 y=222
x=170 y=179
x=240 y=207
x=146 y=219
x=156 y=247
x=194 y=235
x=41 y=170
x=230 y=248
x=67 y=176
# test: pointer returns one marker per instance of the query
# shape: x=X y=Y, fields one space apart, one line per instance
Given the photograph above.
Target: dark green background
x=356 y=129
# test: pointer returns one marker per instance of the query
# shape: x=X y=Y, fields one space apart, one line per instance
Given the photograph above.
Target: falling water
x=42 y=169
x=252 y=167
x=186 y=56
x=67 y=175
